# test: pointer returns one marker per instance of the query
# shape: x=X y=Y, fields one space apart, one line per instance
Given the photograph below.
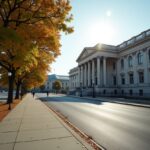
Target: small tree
x=57 y=85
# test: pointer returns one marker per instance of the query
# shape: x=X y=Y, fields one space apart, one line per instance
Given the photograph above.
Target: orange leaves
x=30 y=36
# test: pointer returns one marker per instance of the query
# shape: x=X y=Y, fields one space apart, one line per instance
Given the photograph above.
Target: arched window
x=122 y=63
x=140 y=58
x=130 y=61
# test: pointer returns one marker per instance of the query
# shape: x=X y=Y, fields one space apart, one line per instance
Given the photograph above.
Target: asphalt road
x=114 y=126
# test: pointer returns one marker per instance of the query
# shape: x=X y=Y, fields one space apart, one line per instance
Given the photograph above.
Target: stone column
x=79 y=76
x=104 y=70
x=93 y=71
x=89 y=73
x=82 y=75
x=98 y=71
x=85 y=75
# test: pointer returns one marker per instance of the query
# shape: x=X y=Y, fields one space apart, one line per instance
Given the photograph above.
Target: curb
x=123 y=103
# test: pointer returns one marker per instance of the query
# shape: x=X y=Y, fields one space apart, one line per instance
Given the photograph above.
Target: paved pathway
x=33 y=126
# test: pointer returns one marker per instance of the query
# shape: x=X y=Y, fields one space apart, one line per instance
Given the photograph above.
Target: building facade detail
x=114 y=70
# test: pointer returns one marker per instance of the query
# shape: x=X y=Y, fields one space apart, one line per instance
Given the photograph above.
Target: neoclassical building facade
x=122 y=70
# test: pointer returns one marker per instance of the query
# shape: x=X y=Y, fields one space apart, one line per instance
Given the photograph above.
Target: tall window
x=140 y=92
x=149 y=55
x=141 y=77
x=114 y=65
x=140 y=58
x=122 y=79
x=130 y=61
x=114 y=80
x=122 y=64
x=131 y=79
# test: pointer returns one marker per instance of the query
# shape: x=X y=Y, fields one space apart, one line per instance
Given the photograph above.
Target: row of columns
x=89 y=71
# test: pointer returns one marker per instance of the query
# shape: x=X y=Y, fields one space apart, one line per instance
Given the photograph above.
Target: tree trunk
x=11 y=80
x=18 y=90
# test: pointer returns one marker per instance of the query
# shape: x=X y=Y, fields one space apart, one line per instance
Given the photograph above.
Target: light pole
x=0 y=78
x=9 y=103
x=93 y=90
x=80 y=89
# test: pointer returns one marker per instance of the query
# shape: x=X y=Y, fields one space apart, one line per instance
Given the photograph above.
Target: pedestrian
x=47 y=93
x=33 y=93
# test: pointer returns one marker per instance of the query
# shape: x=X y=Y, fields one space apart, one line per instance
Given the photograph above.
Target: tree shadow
x=70 y=99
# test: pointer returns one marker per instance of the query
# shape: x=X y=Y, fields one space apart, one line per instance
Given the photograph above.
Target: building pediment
x=85 y=53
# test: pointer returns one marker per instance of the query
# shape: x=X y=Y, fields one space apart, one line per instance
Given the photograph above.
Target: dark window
x=123 y=79
x=130 y=61
x=122 y=92
x=140 y=58
x=130 y=92
x=149 y=54
x=122 y=64
x=104 y=91
x=141 y=77
x=114 y=80
x=140 y=92
x=114 y=66
x=115 y=92
x=95 y=81
x=131 y=79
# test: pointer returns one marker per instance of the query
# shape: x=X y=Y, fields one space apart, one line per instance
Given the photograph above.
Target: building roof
x=57 y=77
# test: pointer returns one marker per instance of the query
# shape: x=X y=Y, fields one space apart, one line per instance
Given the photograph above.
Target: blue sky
x=101 y=21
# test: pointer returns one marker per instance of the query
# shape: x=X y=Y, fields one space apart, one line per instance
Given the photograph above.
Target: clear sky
x=101 y=21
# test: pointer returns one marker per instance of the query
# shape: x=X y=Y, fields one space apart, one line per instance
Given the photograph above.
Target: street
x=114 y=126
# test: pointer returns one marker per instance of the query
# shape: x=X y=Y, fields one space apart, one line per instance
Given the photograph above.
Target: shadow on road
x=70 y=99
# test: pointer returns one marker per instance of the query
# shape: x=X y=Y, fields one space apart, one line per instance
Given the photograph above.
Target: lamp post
x=93 y=90
x=80 y=89
x=0 y=78
x=9 y=75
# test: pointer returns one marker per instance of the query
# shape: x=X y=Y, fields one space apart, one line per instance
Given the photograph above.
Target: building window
x=115 y=92
x=96 y=81
x=122 y=92
x=114 y=65
x=130 y=92
x=114 y=80
x=149 y=55
x=140 y=58
x=122 y=64
x=131 y=78
x=141 y=77
x=122 y=79
x=104 y=91
x=130 y=61
x=140 y=92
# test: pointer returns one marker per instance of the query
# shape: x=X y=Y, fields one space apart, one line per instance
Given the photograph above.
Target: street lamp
x=0 y=79
x=9 y=103
x=80 y=89
x=93 y=90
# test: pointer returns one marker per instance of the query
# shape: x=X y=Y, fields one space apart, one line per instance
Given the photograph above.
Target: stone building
x=52 y=78
x=122 y=70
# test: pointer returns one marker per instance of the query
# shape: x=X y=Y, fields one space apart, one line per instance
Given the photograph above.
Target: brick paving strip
x=33 y=126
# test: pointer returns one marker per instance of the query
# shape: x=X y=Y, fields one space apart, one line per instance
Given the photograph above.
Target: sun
x=102 y=32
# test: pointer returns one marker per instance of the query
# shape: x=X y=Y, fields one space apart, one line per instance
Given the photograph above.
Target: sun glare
x=101 y=32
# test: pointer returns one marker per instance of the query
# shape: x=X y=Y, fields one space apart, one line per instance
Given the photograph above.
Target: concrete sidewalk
x=33 y=126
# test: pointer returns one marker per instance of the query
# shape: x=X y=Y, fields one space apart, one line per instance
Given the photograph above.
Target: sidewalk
x=33 y=126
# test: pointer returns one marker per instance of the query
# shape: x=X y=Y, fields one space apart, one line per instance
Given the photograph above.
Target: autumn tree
x=28 y=23
x=57 y=85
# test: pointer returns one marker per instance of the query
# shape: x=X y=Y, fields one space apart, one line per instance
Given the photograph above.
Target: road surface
x=114 y=126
